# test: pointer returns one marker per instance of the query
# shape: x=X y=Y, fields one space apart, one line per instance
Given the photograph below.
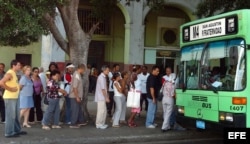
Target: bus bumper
x=239 y=121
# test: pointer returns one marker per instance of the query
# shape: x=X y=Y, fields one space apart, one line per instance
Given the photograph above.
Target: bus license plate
x=200 y=124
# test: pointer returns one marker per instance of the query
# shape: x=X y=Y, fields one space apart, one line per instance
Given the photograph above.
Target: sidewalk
x=89 y=134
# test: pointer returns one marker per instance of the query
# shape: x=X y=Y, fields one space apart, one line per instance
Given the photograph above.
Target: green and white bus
x=214 y=85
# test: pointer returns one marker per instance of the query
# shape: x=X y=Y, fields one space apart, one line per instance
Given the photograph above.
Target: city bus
x=213 y=80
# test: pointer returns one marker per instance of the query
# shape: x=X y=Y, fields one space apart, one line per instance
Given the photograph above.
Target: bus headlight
x=181 y=109
x=226 y=117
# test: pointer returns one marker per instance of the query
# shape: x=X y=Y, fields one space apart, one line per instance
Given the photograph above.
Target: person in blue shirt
x=26 y=95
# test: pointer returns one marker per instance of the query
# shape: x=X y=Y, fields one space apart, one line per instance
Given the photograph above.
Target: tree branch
x=93 y=28
x=65 y=18
x=56 y=33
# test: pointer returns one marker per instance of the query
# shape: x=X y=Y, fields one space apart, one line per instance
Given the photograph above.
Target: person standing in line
x=2 y=106
x=120 y=101
x=125 y=87
x=67 y=83
x=168 y=98
x=26 y=95
x=53 y=110
x=101 y=97
x=43 y=78
x=111 y=104
x=52 y=66
x=19 y=73
x=92 y=80
x=38 y=90
x=152 y=92
x=134 y=85
x=10 y=83
x=76 y=96
x=143 y=78
x=125 y=82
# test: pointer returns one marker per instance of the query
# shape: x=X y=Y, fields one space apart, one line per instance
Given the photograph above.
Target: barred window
x=86 y=21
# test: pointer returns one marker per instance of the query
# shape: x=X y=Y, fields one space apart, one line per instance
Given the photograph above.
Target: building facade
x=134 y=35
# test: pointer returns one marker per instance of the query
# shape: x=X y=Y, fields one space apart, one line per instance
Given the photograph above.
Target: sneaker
x=46 y=127
x=74 y=126
x=101 y=126
x=116 y=126
x=56 y=127
x=155 y=124
x=151 y=127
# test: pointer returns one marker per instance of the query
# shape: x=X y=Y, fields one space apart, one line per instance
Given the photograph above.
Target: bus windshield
x=219 y=65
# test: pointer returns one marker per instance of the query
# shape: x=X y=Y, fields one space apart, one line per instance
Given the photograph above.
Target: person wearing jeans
x=67 y=80
x=76 y=95
x=10 y=83
x=101 y=97
x=53 y=110
x=152 y=91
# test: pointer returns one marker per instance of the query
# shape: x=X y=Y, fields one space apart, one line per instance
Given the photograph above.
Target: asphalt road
x=89 y=134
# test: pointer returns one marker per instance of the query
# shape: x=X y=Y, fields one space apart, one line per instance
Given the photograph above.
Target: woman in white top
x=120 y=101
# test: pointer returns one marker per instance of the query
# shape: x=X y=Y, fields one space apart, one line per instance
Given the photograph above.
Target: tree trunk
x=77 y=44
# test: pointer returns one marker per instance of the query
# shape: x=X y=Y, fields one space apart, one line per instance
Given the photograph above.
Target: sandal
x=130 y=124
x=135 y=125
x=46 y=127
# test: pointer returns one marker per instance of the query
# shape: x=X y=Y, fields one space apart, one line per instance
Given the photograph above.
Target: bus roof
x=215 y=17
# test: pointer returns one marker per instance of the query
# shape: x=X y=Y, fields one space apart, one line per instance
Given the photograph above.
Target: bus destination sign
x=214 y=28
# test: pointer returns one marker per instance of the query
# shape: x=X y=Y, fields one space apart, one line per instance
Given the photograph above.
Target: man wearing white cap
x=67 y=81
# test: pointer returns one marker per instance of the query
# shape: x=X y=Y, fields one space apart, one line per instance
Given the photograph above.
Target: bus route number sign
x=209 y=29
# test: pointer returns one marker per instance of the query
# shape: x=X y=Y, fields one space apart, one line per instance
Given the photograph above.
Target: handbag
x=45 y=100
x=133 y=99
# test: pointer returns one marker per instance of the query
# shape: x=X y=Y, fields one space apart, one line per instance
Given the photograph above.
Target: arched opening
x=162 y=35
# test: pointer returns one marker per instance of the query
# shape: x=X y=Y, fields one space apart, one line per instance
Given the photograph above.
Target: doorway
x=96 y=54
x=164 y=62
x=24 y=59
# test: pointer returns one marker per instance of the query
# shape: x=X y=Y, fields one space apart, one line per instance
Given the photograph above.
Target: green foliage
x=210 y=7
x=21 y=21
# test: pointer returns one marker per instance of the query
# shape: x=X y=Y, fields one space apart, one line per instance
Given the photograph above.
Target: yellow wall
x=114 y=50
x=8 y=53
x=151 y=23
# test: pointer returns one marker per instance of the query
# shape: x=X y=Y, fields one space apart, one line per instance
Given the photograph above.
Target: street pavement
x=90 y=135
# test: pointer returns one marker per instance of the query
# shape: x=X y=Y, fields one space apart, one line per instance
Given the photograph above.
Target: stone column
x=134 y=35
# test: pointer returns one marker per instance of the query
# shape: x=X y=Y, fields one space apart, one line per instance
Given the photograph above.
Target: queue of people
x=111 y=89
